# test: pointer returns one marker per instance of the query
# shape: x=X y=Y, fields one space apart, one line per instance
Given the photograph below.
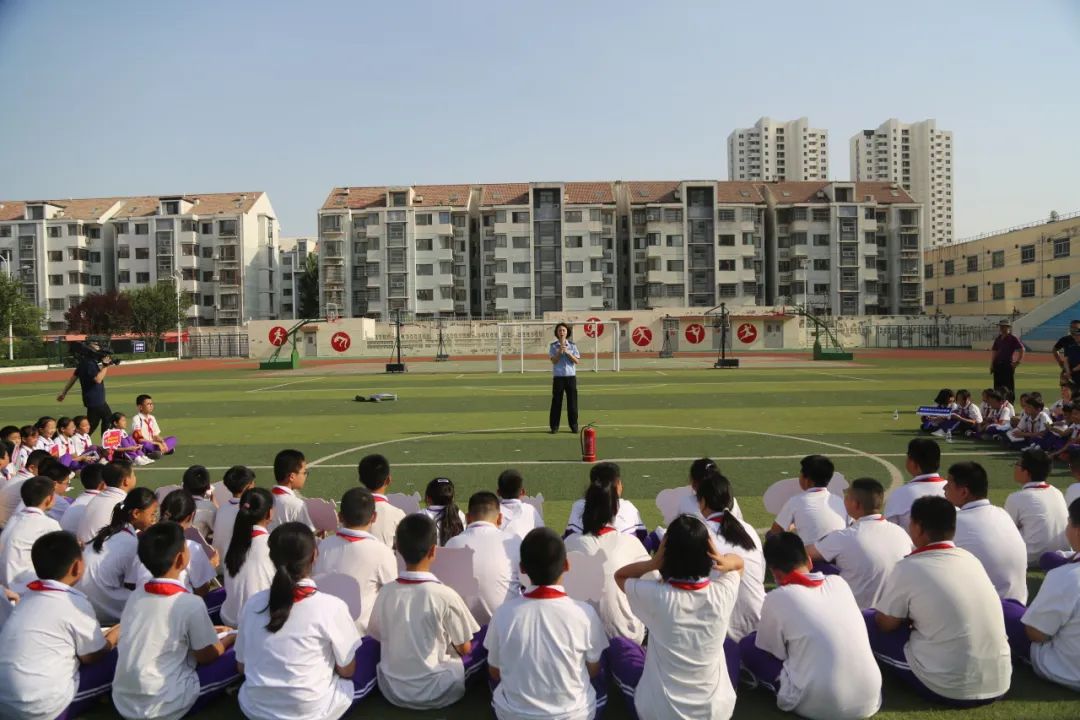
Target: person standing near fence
x=91 y=377
x=1067 y=353
x=1006 y=354
x=564 y=357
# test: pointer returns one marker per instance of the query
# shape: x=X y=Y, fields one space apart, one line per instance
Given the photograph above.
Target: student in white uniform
x=735 y=536
x=374 y=474
x=290 y=474
x=865 y=552
x=517 y=517
x=815 y=512
x=1038 y=508
x=965 y=420
x=238 y=480
x=987 y=532
x=16 y=567
x=441 y=508
x=170 y=660
x=10 y=499
x=688 y=500
x=7 y=470
x=1034 y=425
x=544 y=647
x=355 y=552
x=681 y=674
x=938 y=623
x=248 y=569
x=812 y=641
x=56 y=659
x=112 y=559
x=298 y=647
x=147 y=432
x=1073 y=491
x=496 y=555
x=59 y=473
x=923 y=461
x=196 y=483
x=119 y=478
x=618 y=550
x=90 y=479
x=430 y=642
x=627 y=518
x=179 y=508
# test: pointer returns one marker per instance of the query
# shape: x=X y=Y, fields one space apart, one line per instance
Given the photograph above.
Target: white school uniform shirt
x=987 y=532
x=1072 y=494
x=224 y=520
x=11 y=496
x=972 y=412
x=958 y=647
x=685 y=674
x=107 y=573
x=898 y=504
x=155 y=668
x=747 y=611
x=1000 y=419
x=21 y=453
x=815 y=513
x=144 y=427
x=290 y=673
x=419 y=620
x=519 y=518
x=619 y=550
x=59 y=508
x=435 y=512
x=199 y=571
x=1040 y=512
x=205 y=512
x=256 y=575
x=866 y=553
x=73 y=515
x=360 y=555
x=496 y=558
x=387 y=518
x=1055 y=611
x=819 y=633
x=99 y=513
x=1039 y=423
x=541 y=645
x=83 y=443
x=627 y=518
x=688 y=503
x=288 y=507
x=39 y=669
x=16 y=568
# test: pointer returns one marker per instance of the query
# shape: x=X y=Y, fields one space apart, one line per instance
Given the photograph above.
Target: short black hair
x=357 y=507
x=286 y=463
x=1036 y=462
x=54 y=553
x=8 y=430
x=510 y=483
x=818 y=469
x=115 y=473
x=936 y=516
x=1036 y=401
x=91 y=476
x=36 y=457
x=415 y=536
x=373 y=471
x=238 y=477
x=159 y=545
x=925 y=453
x=196 y=480
x=785 y=552
x=484 y=504
x=569 y=329
x=1074 y=513
x=36 y=490
x=53 y=469
x=686 y=550
x=868 y=494
x=970 y=475
x=140 y=399
x=6 y=448
x=543 y=556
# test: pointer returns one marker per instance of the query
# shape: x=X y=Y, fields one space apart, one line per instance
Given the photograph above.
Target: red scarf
x=40 y=586
x=303 y=592
x=810 y=580
x=605 y=530
x=280 y=490
x=379 y=498
x=544 y=592
x=946 y=545
x=258 y=531
x=350 y=538
x=155 y=587
x=699 y=584
x=1036 y=486
x=933 y=478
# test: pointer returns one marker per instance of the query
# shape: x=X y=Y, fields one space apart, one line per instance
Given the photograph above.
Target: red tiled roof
x=202 y=205
x=505 y=194
x=737 y=191
x=882 y=192
x=589 y=193
x=356 y=198
x=646 y=192
x=795 y=192
x=86 y=209
x=441 y=195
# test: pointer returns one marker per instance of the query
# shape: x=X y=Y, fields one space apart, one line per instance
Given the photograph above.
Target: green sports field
x=468 y=426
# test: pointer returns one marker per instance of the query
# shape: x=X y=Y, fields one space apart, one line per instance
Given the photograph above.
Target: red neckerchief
x=932 y=477
x=350 y=538
x=281 y=490
x=545 y=592
x=695 y=584
x=605 y=530
x=810 y=580
x=1036 y=486
x=379 y=498
x=158 y=587
x=46 y=586
x=303 y=590
x=258 y=530
x=944 y=545
x=716 y=516
x=875 y=516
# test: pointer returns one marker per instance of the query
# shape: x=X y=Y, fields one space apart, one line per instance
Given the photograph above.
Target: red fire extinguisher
x=588 y=444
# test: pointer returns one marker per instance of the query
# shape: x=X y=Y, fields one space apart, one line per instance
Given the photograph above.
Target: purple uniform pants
x=150 y=446
x=95 y=682
x=367 y=663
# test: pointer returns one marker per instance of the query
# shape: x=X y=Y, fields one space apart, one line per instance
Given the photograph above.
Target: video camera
x=98 y=354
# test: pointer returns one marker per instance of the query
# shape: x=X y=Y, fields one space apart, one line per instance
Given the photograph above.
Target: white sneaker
x=141 y=460
x=938 y=433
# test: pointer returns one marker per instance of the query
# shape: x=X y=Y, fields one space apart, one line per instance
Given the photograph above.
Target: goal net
x=524 y=346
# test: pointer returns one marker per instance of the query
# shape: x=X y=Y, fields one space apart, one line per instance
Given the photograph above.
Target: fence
x=927 y=336
x=217 y=346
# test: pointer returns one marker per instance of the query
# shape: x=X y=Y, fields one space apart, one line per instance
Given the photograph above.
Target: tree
x=154 y=312
x=24 y=316
x=106 y=314
x=309 y=287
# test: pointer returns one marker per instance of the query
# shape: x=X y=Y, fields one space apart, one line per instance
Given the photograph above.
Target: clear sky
x=124 y=98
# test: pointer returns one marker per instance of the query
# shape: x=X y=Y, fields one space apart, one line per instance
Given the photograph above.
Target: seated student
x=46 y=427
x=82 y=435
x=923 y=461
x=627 y=519
x=28 y=441
x=544 y=648
x=16 y=567
x=440 y=507
x=146 y=431
x=178 y=507
x=72 y=452
x=170 y=660
x=248 y=569
x=938 y=622
x=112 y=560
x=735 y=536
x=354 y=551
x=599 y=536
x=90 y=479
x=688 y=500
x=811 y=647
x=374 y=474
x=10 y=435
x=944 y=400
x=1073 y=491
x=238 y=480
x=196 y=483
x=1067 y=439
x=119 y=478
x=1033 y=426
x=297 y=648
x=815 y=512
x=290 y=474
x=1048 y=633
x=61 y=477
x=516 y=517
x=987 y=532
x=495 y=556
x=54 y=648
x=1058 y=434
x=1038 y=508
x=1057 y=412
x=426 y=630
x=119 y=445
x=965 y=420
x=10 y=497
x=998 y=419
x=865 y=552
x=6 y=471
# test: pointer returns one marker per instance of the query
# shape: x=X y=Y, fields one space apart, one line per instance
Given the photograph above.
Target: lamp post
x=177 y=276
x=11 y=310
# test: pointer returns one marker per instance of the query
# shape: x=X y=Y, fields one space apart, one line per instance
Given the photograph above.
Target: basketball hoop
x=332 y=314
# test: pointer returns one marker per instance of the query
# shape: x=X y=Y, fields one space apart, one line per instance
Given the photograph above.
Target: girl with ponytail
x=627 y=518
x=287 y=635
x=449 y=520
x=112 y=566
x=178 y=507
x=688 y=502
x=248 y=569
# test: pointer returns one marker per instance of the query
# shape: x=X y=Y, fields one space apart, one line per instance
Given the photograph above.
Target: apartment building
x=918 y=157
x=1004 y=273
x=292 y=259
x=777 y=151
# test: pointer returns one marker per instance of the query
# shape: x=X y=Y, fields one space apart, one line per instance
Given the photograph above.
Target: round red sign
x=746 y=333
x=593 y=328
x=695 y=333
x=277 y=335
x=340 y=341
x=642 y=336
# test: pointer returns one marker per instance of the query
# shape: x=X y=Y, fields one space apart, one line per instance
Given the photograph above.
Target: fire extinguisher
x=588 y=444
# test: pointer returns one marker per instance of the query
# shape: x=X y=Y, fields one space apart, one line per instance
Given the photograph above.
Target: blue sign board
x=138 y=346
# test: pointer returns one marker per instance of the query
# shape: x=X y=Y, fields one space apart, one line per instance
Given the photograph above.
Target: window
x=519 y=218
x=821 y=263
x=1061 y=249
x=425 y=294
x=575 y=266
x=423 y=219
x=671 y=215
x=208 y=300
x=206 y=228
x=1027 y=288
x=997 y=259
x=726 y=265
x=56 y=279
x=425 y=269
x=821 y=241
x=726 y=241
x=142 y=278
x=1027 y=254
x=187 y=226
x=228 y=227
x=171 y=207
x=124 y=276
x=573 y=216
x=575 y=291
x=95 y=281
x=950 y=267
x=973 y=293
x=973 y=263
x=522 y=268
x=928 y=297
x=187 y=250
x=208 y=276
x=675 y=265
x=998 y=291
x=725 y=215
x=799 y=213
x=56 y=255
x=399 y=199
x=444 y=218
x=54 y=231
x=928 y=271
x=521 y=243
x=1061 y=282
x=573 y=241
x=821 y=215
x=56 y=304
x=728 y=289
x=521 y=292
x=821 y=288
x=5 y=231
x=423 y=243
x=207 y=252
x=749 y=215
x=798 y=238
x=950 y=296
x=142 y=253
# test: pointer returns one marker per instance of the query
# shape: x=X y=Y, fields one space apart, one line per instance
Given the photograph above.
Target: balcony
x=547 y=213
x=699 y=212
x=849 y=286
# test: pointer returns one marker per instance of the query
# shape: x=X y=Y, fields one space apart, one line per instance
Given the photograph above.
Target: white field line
x=661 y=372
x=24 y=397
x=844 y=377
x=281 y=385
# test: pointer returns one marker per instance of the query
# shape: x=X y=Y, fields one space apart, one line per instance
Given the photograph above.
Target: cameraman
x=90 y=372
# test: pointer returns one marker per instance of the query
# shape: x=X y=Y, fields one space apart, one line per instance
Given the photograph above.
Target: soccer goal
x=523 y=346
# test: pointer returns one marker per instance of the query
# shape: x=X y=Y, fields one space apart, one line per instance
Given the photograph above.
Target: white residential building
x=292 y=258
x=771 y=151
x=918 y=157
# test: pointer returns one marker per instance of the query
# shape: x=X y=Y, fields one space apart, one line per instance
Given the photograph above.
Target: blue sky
x=124 y=98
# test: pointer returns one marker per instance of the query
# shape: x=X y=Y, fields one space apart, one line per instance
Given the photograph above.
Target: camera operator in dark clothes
x=93 y=364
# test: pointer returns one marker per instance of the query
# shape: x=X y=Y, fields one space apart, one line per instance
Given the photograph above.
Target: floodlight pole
x=11 y=311
x=177 y=276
